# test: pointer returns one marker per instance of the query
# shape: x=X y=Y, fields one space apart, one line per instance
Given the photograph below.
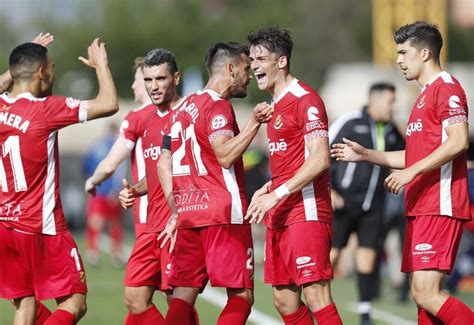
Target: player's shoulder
x=447 y=81
x=302 y=92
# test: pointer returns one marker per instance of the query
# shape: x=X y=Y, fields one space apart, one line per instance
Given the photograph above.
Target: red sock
x=454 y=311
x=150 y=316
x=195 y=320
x=116 y=233
x=42 y=313
x=328 y=316
x=180 y=312
x=91 y=238
x=60 y=317
x=301 y=317
x=425 y=318
x=236 y=311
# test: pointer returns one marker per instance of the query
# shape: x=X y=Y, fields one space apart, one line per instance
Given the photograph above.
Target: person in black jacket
x=357 y=191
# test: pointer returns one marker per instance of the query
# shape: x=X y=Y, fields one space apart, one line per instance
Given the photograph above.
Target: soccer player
x=148 y=265
x=213 y=241
x=433 y=171
x=129 y=144
x=297 y=200
x=357 y=191
x=40 y=259
x=104 y=209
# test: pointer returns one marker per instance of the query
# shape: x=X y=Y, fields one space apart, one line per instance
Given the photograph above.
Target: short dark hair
x=274 y=39
x=159 y=56
x=138 y=63
x=381 y=86
x=223 y=51
x=421 y=35
x=25 y=58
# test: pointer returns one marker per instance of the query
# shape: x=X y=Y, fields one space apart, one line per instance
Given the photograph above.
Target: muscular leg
x=25 y=309
x=319 y=300
x=138 y=299
x=74 y=304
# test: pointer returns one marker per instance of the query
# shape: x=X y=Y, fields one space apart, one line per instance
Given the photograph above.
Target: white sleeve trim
x=315 y=134
x=226 y=133
x=83 y=109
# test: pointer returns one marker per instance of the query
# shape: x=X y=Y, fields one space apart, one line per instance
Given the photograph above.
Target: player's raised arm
x=106 y=102
x=6 y=78
x=351 y=151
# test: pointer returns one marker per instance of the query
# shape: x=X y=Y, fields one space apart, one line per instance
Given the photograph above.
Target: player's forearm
x=389 y=159
x=106 y=102
x=6 y=81
x=165 y=174
x=141 y=187
x=227 y=152
x=447 y=151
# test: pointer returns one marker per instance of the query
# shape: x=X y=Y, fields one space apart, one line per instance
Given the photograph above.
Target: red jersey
x=299 y=117
x=29 y=165
x=205 y=193
x=158 y=211
x=132 y=128
x=444 y=190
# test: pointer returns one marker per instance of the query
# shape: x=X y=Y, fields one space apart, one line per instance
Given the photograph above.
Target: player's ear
x=177 y=78
x=426 y=54
x=231 y=69
x=282 y=62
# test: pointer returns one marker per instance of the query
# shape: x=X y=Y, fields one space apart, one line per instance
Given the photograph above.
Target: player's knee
x=420 y=295
x=134 y=304
x=283 y=306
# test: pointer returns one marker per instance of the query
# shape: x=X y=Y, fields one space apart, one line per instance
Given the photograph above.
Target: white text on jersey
x=14 y=121
x=416 y=126
x=278 y=146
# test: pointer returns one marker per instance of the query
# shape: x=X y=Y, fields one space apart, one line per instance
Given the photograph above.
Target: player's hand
x=97 y=55
x=398 y=179
x=89 y=187
x=348 y=151
x=263 y=190
x=127 y=195
x=259 y=207
x=43 y=39
x=262 y=112
x=337 y=201
x=169 y=233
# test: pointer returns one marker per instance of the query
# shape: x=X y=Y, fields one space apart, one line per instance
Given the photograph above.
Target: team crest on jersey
x=421 y=103
x=313 y=114
x=218 y=122
x=72 y=103
x=278 y=122
x=5 y=108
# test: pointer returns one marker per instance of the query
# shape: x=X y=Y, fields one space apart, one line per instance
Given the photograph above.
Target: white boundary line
x=210 y=294
x=382 y=315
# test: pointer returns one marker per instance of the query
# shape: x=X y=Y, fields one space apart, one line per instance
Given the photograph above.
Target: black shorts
x=368 y=226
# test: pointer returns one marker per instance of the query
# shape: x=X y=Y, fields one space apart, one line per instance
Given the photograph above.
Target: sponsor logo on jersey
x=421 y=102
x=278 y=122
x=192 y=199
x=425 y=259
x=423 y=247
x=278 y=146
x=313 y=114
x=304 y=261
x=152 y=152
x=454 y=102
x=218 y=122
x=72 y=103
x=416 y=126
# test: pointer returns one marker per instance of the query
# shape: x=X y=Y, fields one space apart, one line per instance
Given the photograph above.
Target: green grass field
x=105 y=300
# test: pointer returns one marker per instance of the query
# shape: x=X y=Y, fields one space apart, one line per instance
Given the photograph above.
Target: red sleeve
x=451 y=104
x=220 y=120
x=312 y=117
x=61 y=111
x=132 y=128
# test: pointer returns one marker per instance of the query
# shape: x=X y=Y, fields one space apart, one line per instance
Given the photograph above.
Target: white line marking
x=210 y=294
x=385 y=316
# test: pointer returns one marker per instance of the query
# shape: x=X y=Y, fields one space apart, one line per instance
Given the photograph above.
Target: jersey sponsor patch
x=72 y=103
x=218 y=122
x=313 y=114
x=454 y=102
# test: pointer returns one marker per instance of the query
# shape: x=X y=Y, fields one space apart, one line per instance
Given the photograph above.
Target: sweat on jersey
x=205 y=193
x=299 y=117
x=29 y=164
x=131 y=130
x=444 y=190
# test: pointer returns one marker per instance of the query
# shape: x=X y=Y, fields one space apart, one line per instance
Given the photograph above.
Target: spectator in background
x=357 y=189
x=104 y=208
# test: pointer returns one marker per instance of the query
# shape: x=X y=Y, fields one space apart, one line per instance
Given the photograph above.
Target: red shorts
x=148 y=264
x=431 y=242
x=298 y=253
x=41 y=265
x=107 y=207
x=222 y=254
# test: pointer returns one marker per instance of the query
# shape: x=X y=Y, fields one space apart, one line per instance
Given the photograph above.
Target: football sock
x=91 y=238
x=425 y=318
x=42 y=313
x=328 y=316
x=195 y=320
x=454 y=311
x=116 y=233
x=236 y=311
x=150 y=316
x=180 y=312
x=301 y=317
x=60 y=317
